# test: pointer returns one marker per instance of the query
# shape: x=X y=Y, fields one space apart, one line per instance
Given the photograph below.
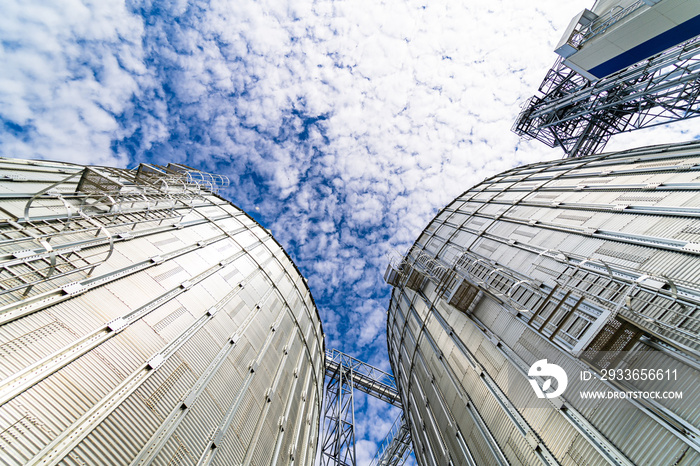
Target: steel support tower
x=344 y=374
x=580 y=116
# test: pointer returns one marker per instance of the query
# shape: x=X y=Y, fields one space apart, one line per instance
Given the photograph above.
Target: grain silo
x=551 y=315
x=146 y=320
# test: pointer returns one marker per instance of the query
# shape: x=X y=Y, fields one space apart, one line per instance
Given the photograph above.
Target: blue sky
x=343 y=125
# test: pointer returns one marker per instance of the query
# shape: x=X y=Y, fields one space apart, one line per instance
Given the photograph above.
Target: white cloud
x=68 y=69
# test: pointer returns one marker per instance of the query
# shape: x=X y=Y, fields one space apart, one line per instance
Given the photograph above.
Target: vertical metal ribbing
x=471 y=410
x=268 y=401
x=216 y=439
x=68 y=439
x=592 y=435
x=468 y=247
x=297 y=431
x=285 y=417
x=519 y=422
x=638 y=303
x=54 y=452
x=547 y=167
x=307 y=348
x=294 y=318
x=310 y=433
x=476 y=417
x=158 y=440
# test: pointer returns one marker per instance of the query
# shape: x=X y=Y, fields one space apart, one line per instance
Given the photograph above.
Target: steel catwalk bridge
x=344 y=374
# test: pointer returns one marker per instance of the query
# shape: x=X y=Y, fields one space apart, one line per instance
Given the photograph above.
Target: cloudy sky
x=343 y=125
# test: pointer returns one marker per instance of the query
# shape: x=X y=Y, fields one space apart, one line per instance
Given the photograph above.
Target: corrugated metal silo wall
x=195 y=339
x=551 y=257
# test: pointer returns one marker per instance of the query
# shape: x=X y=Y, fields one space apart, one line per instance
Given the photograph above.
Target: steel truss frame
x=580 y=116
x=344 y=374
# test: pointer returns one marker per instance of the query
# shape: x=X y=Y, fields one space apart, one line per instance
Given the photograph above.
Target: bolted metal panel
x=145 y=320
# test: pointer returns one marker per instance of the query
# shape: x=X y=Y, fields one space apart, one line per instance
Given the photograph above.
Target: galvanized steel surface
x=561 y=254
x=145 y=320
